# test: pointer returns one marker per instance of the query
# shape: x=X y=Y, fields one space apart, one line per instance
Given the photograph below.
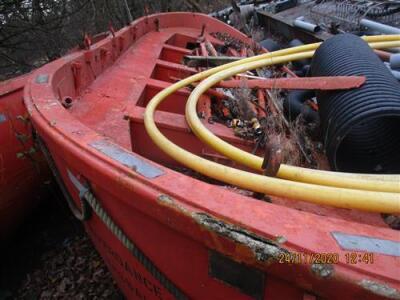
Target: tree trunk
x=128 y=12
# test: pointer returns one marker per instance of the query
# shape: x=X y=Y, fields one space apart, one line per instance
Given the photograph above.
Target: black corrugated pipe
x=270 y=45
x=298 y=64
x=361 y=127
x=294 y=105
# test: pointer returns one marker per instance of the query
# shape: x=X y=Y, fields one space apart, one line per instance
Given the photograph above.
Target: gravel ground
x=51 y=257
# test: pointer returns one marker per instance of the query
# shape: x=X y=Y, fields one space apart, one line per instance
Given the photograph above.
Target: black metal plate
x=249 y=281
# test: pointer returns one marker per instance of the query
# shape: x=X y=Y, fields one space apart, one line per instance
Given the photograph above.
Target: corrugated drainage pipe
x=361 y=126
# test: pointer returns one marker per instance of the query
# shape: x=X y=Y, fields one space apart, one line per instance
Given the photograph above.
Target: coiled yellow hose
x=339 y=197
x=255 y=162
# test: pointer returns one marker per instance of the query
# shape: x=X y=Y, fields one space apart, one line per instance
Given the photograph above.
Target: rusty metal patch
x=43 y=78
x=264 y=250
x=322 y=270
x=366 y=243
x=128 y=159
x=249 y=281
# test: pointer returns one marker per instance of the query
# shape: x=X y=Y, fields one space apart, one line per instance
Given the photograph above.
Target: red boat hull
x=209 y=242
x=22 y=169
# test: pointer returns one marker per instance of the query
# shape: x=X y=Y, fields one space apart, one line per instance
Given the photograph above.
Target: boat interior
x=114 y=103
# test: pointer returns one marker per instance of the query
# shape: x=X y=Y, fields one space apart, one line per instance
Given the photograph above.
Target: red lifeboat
x=22 y=168
x=163 y=233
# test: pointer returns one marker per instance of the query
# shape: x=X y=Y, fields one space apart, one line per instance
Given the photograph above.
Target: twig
x=193 y=4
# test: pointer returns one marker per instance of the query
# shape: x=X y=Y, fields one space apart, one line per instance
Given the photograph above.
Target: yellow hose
x=385 y=183
x=376 y=38
x=382 y=177
x=388 y=183
x=339 y=197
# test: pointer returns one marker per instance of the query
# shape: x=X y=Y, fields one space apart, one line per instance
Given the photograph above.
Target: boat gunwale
x=13 y=84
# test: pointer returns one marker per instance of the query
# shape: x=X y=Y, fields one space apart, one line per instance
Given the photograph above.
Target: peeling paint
x=281 y=239
x=263 y=249
x=23 y=138
x=322 y=270
x=169 y=201
x=166 y=199
x=23 y=119
x=380 y=289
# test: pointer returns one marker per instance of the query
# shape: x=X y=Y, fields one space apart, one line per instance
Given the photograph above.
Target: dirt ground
x=50 y=257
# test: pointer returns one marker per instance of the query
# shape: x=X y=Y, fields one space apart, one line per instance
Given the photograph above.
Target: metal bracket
x=78 y=185
x=367 y=244
x=128 y=159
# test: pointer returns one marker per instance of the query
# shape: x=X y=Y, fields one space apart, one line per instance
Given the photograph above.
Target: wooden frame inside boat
x=209 y=240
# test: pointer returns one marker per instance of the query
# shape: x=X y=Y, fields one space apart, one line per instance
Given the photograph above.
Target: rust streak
x=264 y=250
